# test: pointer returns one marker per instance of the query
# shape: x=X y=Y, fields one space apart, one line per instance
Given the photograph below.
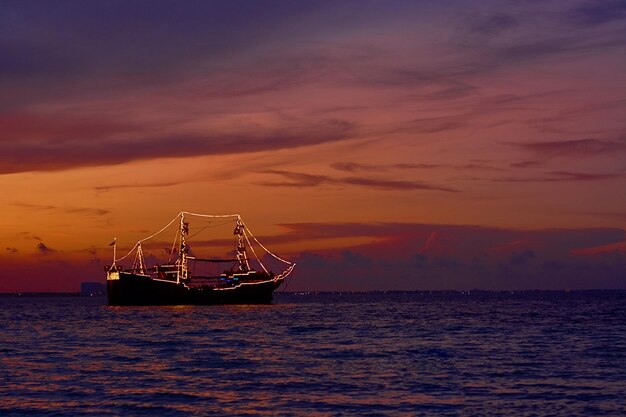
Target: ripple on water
x=322 y=355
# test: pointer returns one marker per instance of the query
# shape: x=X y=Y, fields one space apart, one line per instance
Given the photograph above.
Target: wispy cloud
x=88 y=211
x=563 y=176
x=357 y=167
x=104 y=188
x=599 y=12
x=476 y=166
x=361 y=167
x=574 y=147
x=20 y=156
x=296 y=179
x=532 y=32
x=526 y=164
x=492 y=24
x=438 y=124
x=383 y=184
x=43 y=249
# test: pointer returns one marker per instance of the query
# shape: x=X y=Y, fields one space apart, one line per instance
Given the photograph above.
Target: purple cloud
x=105 y=188
x=492 y=24
x=599 y=12
x=440 y=257
x=563 y=176
x=296 y=179
x=20 y=156
x=438 y=124
x=356 y=167
x=87 y=211
x=43 y=249
x=525 y=164
x=576 y=147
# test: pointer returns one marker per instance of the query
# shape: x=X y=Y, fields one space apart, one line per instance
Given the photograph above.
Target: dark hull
x=137 y=290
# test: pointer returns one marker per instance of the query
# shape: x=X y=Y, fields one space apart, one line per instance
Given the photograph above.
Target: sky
x=381 y=145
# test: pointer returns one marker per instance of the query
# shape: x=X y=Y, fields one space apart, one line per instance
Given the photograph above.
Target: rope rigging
x=244 y=238
x=267 y=250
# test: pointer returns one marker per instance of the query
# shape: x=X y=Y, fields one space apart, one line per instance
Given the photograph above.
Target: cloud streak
x=359 y=167
x=87 y=211
x=599 y=12
x=563 y=176
x=21 y=156
x=353 y=167
x=43 y=249
x=303 y=180
x=526 y=164
x=105 y=188
x=574 y=148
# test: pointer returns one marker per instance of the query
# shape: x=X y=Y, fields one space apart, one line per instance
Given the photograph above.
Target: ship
x=183 y=277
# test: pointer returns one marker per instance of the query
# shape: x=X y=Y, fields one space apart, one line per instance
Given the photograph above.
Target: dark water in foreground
x=318 y=355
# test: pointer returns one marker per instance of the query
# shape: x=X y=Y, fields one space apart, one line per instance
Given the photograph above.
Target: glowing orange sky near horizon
x=383 y=120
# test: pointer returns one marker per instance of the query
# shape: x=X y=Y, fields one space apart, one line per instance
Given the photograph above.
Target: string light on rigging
x=201 y=280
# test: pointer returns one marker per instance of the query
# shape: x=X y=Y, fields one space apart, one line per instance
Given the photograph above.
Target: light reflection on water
x=320 y=355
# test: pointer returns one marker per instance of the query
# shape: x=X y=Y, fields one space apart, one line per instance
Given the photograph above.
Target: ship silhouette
x=185 y=278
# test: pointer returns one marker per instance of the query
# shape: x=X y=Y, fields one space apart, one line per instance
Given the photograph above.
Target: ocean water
x=401 y=354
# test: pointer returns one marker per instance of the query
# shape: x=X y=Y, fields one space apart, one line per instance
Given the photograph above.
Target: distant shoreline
x=46 y=294
x=440 y=292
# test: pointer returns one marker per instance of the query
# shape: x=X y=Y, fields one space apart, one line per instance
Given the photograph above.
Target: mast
x=182 y=253
x=139 y=264
x=114 y=251
x=242 y=256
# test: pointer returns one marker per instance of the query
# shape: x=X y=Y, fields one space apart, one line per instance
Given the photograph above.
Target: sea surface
x=369 y=354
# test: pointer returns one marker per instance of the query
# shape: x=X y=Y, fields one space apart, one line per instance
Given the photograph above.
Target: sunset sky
x=379 y=144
